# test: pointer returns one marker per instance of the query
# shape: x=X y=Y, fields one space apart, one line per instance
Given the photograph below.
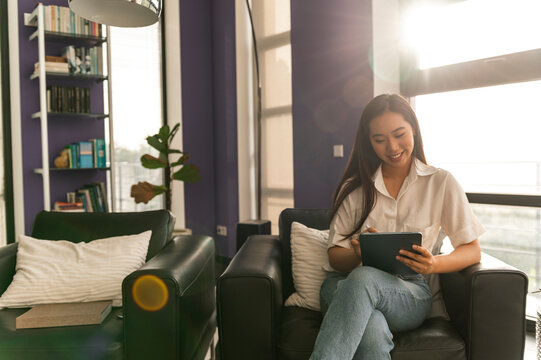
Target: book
x=53 y=66
x=86 y=198
x=86 y=159
x=99 y=152
x=94 y=198
x=58 y=59
x=104 y=194
x=69 y=206
x=69 y=314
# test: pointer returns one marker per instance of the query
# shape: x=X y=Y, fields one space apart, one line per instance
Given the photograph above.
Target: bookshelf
x=40 y=19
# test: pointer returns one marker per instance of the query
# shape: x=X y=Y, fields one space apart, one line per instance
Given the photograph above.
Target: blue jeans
x=362 y=308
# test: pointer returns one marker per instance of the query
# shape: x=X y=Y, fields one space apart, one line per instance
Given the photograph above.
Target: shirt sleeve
x=343 y=223
x=457 y=218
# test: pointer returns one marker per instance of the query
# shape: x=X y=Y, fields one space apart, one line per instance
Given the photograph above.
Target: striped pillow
x=59 y=271
x=308 y=256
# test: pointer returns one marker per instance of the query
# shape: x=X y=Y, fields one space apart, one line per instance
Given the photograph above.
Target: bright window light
x=471 y=30
x=487 y=137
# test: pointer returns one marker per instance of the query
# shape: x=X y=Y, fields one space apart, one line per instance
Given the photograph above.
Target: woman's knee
x=365 y=277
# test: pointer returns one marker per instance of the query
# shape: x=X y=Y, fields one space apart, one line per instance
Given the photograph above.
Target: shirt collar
x=418 y=168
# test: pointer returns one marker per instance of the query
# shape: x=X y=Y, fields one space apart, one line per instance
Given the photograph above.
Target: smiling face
x=392 y=139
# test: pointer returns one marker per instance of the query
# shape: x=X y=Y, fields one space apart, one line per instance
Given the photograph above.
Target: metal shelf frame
x=33 y=19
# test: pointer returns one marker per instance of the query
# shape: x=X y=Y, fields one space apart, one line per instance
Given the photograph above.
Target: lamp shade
x=122 y=13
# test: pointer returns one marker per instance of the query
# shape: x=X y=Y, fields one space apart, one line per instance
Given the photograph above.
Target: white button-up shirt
x=430 y=199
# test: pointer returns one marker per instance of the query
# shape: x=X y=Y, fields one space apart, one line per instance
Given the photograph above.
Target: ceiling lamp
x=122 y=13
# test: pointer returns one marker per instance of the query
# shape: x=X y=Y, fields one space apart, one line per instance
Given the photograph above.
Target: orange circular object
x=150 y=293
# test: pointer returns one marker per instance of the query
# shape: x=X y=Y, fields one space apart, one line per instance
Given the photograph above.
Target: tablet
x=379 y=250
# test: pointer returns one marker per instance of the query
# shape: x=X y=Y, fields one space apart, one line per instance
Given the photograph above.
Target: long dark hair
x=363 y=161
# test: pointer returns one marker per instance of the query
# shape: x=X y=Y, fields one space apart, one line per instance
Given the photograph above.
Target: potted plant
x=176 y=170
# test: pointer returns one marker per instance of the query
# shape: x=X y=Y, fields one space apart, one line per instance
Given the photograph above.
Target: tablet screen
x=379 y=250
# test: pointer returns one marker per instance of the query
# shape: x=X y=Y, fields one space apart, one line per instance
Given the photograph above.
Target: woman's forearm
x=460 y=258
x=343 y=259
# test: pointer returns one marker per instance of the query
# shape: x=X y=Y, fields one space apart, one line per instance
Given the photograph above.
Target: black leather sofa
x=182 y=329
x=486 y=303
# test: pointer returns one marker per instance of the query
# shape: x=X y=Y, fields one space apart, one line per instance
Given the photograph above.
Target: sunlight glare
x=470 y=30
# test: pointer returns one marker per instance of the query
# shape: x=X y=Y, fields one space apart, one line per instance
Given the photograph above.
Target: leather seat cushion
x=435 y=339
x=70 y=342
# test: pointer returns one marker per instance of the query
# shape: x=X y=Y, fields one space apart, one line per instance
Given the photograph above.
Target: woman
x=388 y=186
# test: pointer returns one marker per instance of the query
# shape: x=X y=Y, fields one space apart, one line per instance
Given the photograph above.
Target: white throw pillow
x=308 y=256
x=59 y=271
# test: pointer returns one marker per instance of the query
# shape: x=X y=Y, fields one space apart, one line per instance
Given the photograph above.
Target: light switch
x=338 y=151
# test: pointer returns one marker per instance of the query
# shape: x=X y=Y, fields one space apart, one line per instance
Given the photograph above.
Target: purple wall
x=209 y=112
x=332 y=79
x=225 y=121
x=61 y=131
x=198 y=112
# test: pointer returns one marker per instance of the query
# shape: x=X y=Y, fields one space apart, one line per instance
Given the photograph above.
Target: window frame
x=491 y=71
x=265 y=44
x=6 y=123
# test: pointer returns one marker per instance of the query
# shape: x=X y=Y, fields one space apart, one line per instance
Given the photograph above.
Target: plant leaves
x=156 y=142
x=187 y=173
x=181 y=160
x=151 y=162
x=145 y=191
x=174 y=151
x=164 y=133
x=174 y=130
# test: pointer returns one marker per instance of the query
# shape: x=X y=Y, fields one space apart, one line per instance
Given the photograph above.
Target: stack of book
x=94 y=197
x=56 y=64
x=89 y=198
x=68 y=98
x=69 y=206
x=87 y=154
x=62 y=19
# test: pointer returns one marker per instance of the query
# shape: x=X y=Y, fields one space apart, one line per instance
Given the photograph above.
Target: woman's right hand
x=357 y=246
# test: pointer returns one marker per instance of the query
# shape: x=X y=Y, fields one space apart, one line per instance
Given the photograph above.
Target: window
x=273 y=27
x=136 y=60
x=475 y=87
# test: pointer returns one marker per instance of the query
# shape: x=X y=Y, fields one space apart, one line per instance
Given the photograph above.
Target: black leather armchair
x=182 y=329
x=486 y=303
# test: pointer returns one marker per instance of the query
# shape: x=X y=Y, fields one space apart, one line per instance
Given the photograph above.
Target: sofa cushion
x=435 y=339
x=79 y=227
x=315 y=219
x=61 y=271
x=70 y=342
x=298 y=333
x=309 y=254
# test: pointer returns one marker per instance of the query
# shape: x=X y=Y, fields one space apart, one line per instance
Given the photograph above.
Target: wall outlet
x=221 y=230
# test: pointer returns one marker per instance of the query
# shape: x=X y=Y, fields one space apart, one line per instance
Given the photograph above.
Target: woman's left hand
x=422 y=262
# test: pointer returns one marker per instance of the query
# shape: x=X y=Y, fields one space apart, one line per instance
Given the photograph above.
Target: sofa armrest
x=8 y=259
x=486 y=303
x=187 y=321
x=250 y=301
